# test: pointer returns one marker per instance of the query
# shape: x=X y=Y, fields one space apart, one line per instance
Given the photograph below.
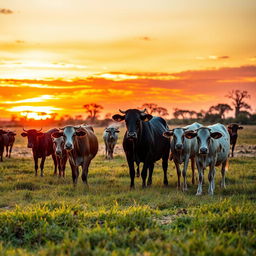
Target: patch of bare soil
x=245 y=150
x=167 y=219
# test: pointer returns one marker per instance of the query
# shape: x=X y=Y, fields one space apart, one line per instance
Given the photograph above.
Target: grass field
x=48 y=216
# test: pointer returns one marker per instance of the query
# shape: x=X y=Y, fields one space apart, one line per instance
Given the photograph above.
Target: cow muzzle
x=68 y=146
x=203 y=151
x=58 y=153
x=132 y=135
x=179 y=147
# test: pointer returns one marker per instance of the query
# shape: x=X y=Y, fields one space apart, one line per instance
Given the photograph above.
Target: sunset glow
x=185 y=54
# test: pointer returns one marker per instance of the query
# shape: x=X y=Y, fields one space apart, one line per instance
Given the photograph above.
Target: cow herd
x=147 y=139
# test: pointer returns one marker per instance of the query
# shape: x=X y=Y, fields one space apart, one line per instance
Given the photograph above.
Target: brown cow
x=42 y=146
x=2 y=133
x=9 y=139
x=233 y=133
x=82 y=146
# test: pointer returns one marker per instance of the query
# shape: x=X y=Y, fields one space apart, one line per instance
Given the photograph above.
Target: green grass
x=48 y=216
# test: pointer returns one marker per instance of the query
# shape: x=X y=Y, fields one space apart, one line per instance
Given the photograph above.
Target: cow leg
x=36 y=164
x=178 y=173
x=59 y=165
x=151 y=168
x=10 y=150
x=1 y=153
x=233 y=148
x=223 y=172
x=42 y=166
x=85 y=169
x=106 y=150
x=200 y=179
x=138 y=170
x=74 y=173
x=165 y=167
x=184 y=173
x=55 y=164
x=211 y=176
x=193 y=170
x=6 y=151
x=132 y=172
x=144 y=174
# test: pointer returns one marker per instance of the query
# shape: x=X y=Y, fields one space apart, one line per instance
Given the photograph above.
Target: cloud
x=20 y=41
x=5 y=11
x=213 y=57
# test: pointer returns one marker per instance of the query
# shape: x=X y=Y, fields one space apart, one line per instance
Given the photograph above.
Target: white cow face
x=204 y=137
x=178 y=137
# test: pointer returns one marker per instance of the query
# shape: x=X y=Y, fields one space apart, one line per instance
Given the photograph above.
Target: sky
x=56 y=56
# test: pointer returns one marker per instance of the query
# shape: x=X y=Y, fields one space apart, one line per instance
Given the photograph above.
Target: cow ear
x=168 y=134
x=80 y=133
x=24 y=134
x=240 y=127
x=117 y=131
x=216 y=135
x=118 y=117
x=146 y=117
x=57 y=134
x=190 y=134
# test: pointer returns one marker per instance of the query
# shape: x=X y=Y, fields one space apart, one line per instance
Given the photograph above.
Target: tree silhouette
x=220 y=109
x=162 y=111
x=93 y=109
x=150 y=107
x=238 y=100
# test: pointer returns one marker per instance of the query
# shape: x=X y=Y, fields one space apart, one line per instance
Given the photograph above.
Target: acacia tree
x=150 y=107
x=220 y=109
x=238 y=100
x=162 y=111
x=93 y=110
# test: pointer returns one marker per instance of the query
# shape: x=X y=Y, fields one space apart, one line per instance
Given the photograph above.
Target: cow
x=233 y=133
x=143 y=142
x=213 y=145
x=60 y=154
x=42 y=146
x=183 y=149
x=110 y=137
x=9 y=139
x=2 y=134
x=81 y=145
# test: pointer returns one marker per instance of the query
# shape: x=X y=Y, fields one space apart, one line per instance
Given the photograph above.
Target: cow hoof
x=138 y=175
x=198 y=193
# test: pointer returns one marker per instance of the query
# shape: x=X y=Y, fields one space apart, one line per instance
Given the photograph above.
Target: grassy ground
x=48 y=216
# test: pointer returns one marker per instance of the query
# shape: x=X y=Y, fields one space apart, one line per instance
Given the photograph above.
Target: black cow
x=143 y=142
x=233 y=133
x=9 y=140
x=42 y=146
x=2 y=134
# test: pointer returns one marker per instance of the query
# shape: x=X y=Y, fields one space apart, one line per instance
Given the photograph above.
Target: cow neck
x=36 y=145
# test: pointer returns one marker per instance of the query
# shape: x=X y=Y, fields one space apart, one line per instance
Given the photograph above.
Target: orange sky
x=56 y=56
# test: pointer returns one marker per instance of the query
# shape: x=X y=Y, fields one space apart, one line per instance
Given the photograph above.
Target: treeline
x=215 y=113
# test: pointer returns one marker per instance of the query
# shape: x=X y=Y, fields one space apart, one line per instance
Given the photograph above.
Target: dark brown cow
x=42 y=146
x=2 y=133
x=81 y=145
x=233 y=133
x=9 y=139
x=60 y=153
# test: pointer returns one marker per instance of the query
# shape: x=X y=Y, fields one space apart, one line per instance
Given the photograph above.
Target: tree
x=162 y=111
x=93 y=110
x=150 y=107
x=220 y=109
x=238 y=98
x=181 y=112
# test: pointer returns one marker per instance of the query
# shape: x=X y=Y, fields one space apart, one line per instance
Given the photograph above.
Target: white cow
x=213 y=149
x=110 y=137
x=183 y=149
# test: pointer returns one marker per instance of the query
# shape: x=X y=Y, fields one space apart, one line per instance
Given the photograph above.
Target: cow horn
x=123 y=112
x=40 y=130
x=78 y=127
x=143 y=111
x=24 y=130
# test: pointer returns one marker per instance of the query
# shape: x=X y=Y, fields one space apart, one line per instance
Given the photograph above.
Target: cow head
x=178 y=137
x=58 y=144
x=3 y=131
x=32 y=135
x=111 y=131
x=133 y=120
x=11 y=134
x=69 y=132
x=204 y=137
x=233 y=129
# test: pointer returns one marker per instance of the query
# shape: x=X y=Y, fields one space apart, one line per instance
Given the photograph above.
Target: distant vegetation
x=215 y=113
